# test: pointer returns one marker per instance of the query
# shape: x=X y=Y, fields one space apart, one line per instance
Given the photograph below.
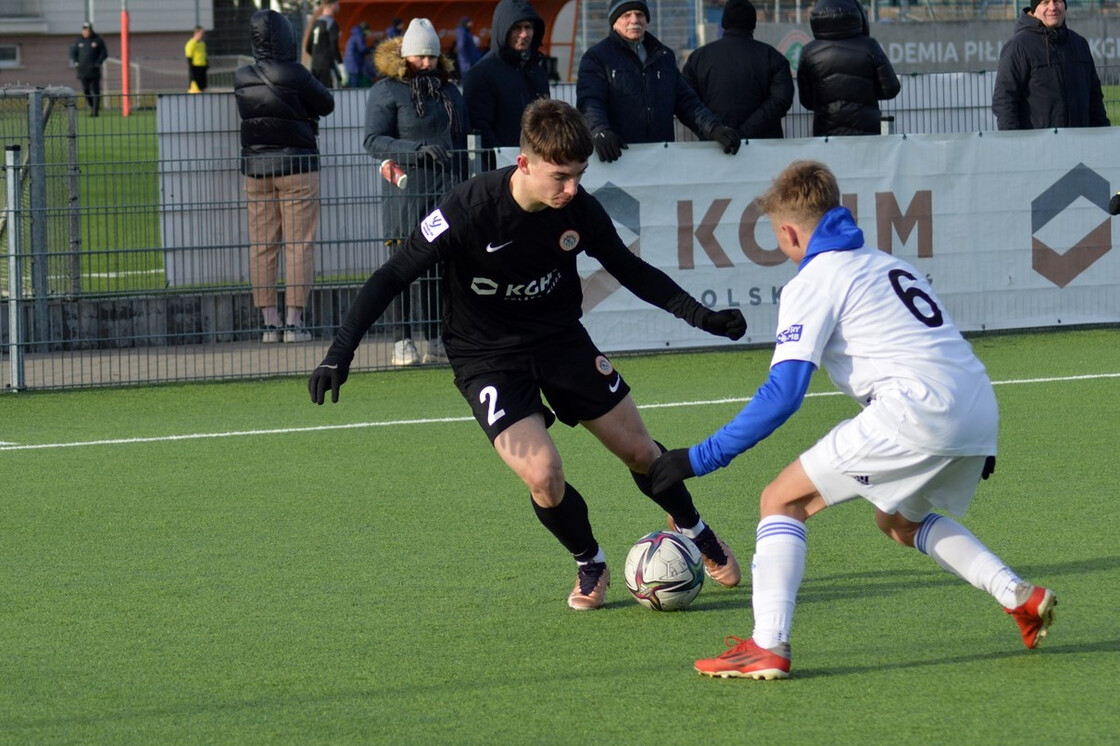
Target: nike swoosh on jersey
x=614 y=386
x=491 y=248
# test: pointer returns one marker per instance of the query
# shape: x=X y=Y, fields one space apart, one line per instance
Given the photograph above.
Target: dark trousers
x=198 y=77
x=91 y=89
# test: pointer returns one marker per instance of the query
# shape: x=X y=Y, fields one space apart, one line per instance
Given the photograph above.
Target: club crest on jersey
x=603 y=365
x=569 y=239
x=792 y=334
x=434 y=225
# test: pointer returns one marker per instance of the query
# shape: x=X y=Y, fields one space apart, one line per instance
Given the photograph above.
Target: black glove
x=434 y=153
x=668 y=469
x=327 y=376
x=728 y=138
x=609 y=146
x=989 y=467
x=730 y=323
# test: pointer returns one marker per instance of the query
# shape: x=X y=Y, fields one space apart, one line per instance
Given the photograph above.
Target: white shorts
x=856 y=460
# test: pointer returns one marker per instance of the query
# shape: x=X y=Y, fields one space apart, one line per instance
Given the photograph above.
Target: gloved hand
x=989 y=467
x=434 y=153
x=729 y=323
x=329 y=375
x=609 y=146
x=668 y=469
x=728 y=138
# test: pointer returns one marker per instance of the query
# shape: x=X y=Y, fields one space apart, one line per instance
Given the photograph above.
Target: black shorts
x=578 y=381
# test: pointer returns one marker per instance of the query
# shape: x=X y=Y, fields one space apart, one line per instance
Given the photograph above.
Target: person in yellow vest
x=197 y=62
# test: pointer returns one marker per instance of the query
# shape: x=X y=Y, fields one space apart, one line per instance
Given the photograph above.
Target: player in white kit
x=925 y=437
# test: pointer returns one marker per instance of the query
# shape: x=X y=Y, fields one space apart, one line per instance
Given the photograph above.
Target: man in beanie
x=512 y=75
x=1046 y=75
x=747 y=83
x=629 y=89
x=87 y=54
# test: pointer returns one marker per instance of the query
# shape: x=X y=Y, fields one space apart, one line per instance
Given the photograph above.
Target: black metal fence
x=125 y=240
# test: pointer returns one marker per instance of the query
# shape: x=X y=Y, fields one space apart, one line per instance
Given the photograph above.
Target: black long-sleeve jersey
x=509 y=277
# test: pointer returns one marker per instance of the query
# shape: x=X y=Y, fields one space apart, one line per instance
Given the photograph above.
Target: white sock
x=955 y=548
x=776 y=571
x=271 y=316
x=295 y=316
x=693 y=532
x=599 y=557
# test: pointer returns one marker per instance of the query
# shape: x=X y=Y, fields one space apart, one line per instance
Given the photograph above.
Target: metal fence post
x=37 y=173
x=15 y=272
x=474 y=153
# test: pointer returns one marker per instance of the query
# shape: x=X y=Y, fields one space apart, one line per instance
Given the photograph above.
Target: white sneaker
x=404 y=353
x=271 y=335
x=435 y=354
x=296 y=334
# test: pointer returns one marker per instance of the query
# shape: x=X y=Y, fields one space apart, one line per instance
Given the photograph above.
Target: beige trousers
x=283 y=214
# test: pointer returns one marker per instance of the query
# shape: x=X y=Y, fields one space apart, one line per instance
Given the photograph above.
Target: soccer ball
x=664 y=571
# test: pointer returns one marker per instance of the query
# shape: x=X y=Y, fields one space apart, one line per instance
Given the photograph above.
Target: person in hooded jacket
x=356 y=56
x=746 y=82
x=1046 y=75
x=280 y=104
x=509 y=77
x=629 y=89
x=416 y=116
x=844 y=73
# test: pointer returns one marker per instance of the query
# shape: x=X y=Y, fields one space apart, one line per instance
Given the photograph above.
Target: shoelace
x=709 y=546
x=589 y=576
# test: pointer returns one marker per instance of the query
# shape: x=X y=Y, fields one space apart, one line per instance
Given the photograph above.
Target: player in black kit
x=507 y=243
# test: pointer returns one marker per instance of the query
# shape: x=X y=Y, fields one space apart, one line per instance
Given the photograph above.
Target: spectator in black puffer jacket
x=509 y=77
x=280 y=104
x=1046 y=76
x=746 y=82
x=844 y=73
x=629 y=89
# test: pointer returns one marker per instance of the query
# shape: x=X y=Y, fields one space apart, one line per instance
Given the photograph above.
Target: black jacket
x=88 y=54
x=279 y=123
x=1046 y=78
x=322 y=46
x=615 y=91
x=746 y=83
x=499 y=86
x=844 y=73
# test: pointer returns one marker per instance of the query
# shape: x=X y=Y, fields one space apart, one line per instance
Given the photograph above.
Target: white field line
x=6 y=446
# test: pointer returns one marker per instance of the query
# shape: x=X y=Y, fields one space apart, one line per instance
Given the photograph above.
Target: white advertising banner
x=1010 y=227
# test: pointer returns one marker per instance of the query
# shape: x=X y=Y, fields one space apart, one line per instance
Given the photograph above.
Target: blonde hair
x=802 y=193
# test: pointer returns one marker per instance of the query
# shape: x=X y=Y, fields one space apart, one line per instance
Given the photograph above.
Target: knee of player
x=897 y=528
x=546 y=483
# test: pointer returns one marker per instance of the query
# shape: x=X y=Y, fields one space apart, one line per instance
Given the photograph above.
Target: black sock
x=676 y=501
x=569 y=523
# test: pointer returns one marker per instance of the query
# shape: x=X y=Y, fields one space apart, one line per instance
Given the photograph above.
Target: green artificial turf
x=227 y=573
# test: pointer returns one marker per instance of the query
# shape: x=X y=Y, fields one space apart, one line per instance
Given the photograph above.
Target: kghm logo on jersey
x=569 y=239
x=518 y=290
x=603 y=365
x=793 y=334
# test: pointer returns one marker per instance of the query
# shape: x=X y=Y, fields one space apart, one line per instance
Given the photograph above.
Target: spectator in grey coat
x=1046 y=75
x=844 y=73
x=87 y=54
x=747 y=83
x=629 y=89
x=416 y=116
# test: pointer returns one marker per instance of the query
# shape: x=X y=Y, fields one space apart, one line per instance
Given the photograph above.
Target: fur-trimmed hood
x=388 y=61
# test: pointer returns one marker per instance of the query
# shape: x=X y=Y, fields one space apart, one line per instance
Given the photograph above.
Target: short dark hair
x=555 y=131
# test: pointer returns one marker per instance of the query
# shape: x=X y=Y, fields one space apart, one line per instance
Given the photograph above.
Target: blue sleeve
x=774 y=402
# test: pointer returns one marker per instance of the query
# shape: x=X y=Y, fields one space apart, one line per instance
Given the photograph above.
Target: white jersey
x=874 y=323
